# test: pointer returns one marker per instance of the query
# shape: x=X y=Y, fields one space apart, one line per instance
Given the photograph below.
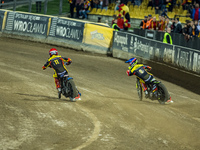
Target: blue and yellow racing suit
x=140 y=71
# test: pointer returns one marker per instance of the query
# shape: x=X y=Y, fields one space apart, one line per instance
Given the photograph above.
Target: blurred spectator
x=162 y=23
x=196 y=13
x=126 y=24
x=72 y=5
x=120 y=22
x=173 y=25
x=169 y=5
x=150 y=4
x=186 y=4
x=138 y=2
x=96 y=3
x=114 y=17
x=115 y=26
x=143 y=24
x=198 y=27
x=195 y=31
x=105 y=4
x=99 y=19
x=168 y=24
x=185 y=32
x=167 y=37
x=190 y=10
x=149 y=20
x=157 y=4
x=79 y=4
x=196 y=23
x=178 y=26
x=164 y=13
x=154 y=24
x=117 y=4
x=100 y=4
x=163 y=5
x=85 y=10
x=189 y=26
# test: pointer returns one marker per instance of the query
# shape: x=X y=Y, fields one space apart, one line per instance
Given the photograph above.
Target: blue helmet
x=132 y=62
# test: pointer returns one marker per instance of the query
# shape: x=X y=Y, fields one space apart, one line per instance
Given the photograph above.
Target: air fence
x=94 y=37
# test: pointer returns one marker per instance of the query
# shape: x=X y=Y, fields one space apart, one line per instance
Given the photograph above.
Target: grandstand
x=138 y=13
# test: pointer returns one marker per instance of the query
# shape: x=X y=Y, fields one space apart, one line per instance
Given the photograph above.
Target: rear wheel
x=72 y=89
x=163 y=94
x=139 y=89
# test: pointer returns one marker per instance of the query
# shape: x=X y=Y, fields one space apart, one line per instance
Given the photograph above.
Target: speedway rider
x=139 y=71
x=57 y=63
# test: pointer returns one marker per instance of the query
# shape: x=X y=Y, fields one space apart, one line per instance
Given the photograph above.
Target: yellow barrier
x=97 y=35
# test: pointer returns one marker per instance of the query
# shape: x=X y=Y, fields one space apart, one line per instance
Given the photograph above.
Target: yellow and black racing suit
x=140 y=71
x=57 y=63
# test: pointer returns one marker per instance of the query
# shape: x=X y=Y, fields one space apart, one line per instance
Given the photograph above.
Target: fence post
x=14 y=5
x=30 y=5
x=60 y=8
x=45 y=6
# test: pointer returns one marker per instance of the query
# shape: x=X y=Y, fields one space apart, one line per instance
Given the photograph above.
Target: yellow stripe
x=4 y=20
x=49 y=25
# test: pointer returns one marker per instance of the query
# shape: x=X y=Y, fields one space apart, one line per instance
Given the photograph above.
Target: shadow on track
x=43 y=98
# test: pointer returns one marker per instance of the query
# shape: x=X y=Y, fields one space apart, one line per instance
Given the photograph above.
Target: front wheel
x=139 y=89
x=163 y=94
x=72 y=89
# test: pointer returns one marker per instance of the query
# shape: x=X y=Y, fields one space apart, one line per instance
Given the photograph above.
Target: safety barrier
x=126 y=45
x=81 y=35
x=98 y=38
x=178 y=39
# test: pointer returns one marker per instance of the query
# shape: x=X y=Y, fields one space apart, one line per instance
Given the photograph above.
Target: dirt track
x=109 y=116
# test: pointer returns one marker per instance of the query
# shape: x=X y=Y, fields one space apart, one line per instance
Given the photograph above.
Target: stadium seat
x=102 y=12
x=98 y=11
x=94 y=10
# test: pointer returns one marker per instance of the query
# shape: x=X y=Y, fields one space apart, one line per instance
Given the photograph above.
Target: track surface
x=109 y=116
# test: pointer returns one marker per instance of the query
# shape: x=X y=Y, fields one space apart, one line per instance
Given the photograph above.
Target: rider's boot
x=170 y=100
x=59 y=93
x=146 y=94
x=78 y=97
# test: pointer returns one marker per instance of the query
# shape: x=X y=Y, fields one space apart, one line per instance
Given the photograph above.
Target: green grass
x=52 y=7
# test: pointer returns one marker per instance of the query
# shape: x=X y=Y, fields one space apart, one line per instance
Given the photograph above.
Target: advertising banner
x=187 y=58
x=183 y=57
x=67 y=29
x=1 y=19
x=134 y=44
x=98 y=35
x=27 y=23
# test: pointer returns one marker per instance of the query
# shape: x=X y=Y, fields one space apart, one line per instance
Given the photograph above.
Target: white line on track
x=96 y=130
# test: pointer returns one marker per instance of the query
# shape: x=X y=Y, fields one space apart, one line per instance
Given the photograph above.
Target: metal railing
x=50 y=7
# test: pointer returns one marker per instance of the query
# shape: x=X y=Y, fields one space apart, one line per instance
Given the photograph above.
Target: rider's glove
x=69 y=61
x=149 y=68
x=43 y=67
x=128 y=72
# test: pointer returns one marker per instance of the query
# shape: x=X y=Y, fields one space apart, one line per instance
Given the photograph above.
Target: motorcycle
x=68 y=88
x=155 y=91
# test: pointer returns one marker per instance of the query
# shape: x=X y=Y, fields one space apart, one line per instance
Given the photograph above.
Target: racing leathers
x=57 y=63
x=140 y=71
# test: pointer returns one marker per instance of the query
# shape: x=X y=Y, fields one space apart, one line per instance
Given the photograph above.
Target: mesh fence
x=49 y=7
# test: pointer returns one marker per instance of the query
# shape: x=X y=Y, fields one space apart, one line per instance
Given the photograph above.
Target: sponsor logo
x=96 y=35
